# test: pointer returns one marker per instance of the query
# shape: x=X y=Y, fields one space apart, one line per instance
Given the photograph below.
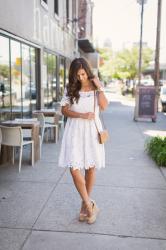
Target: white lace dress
x=80 y=148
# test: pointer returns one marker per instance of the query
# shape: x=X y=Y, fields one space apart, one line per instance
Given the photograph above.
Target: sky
x=119 y=21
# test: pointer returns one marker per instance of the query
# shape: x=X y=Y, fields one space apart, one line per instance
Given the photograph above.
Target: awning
x=85 y=45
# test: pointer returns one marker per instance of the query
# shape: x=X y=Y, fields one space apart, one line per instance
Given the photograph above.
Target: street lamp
x=141 y=2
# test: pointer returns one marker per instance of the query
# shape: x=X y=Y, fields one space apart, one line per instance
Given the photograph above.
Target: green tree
x=106 y=65
x=123 y=64
x=126 y=62
x=4 y=70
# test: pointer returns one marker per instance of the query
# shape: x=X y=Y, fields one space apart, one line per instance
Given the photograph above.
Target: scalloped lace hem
x=81 y=166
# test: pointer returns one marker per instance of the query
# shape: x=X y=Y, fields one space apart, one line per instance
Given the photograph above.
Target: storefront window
x=67 y=66
x=16 y=78
x=26 y=83
x=54 y=80
x=5 y=102
x=33 y=87
x=50 y=80
x=62 y=75
x=45 y=79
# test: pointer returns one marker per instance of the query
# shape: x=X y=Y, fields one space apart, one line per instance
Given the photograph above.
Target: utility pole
x=157 y=52
x=141 y=2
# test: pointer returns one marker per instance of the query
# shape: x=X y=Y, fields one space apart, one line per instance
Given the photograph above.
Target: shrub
x=156 y=148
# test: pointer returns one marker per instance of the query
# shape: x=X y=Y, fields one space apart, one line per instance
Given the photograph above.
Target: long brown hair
x=74 y=84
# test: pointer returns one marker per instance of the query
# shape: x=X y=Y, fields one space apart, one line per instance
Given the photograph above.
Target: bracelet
x=101 y=89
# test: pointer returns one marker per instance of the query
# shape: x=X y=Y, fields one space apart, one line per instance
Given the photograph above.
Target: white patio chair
x=59 y=120
x=27 y=132
x=13 y=136
x=45 y=126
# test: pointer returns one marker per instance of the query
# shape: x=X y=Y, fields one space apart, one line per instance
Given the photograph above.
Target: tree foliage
x=4 y=70
x=124 y=63
x=106 y=65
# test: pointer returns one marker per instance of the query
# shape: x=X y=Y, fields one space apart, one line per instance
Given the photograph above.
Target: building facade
x=85 y=33
x=38 y=40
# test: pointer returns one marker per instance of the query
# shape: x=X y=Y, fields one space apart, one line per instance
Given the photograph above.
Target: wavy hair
x=74 y=84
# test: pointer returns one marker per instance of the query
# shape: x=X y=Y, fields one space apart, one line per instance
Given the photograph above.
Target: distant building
x=107 y=43
x=129 y=45
x=137 y=44
x=85 y=33
x=151 y=69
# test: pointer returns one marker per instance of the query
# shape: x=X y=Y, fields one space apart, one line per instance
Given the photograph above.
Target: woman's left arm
x=102 y=100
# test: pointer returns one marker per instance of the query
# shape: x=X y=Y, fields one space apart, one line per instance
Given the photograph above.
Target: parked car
x=30 y=91
x=163 y=98
x=147 y=82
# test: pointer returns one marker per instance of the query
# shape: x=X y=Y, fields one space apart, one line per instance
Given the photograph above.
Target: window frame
x=30 y=45
x=56 y=4
x=67 y=12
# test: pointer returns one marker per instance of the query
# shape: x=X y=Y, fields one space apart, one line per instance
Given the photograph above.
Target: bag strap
x=95 y=109
x=100 y=113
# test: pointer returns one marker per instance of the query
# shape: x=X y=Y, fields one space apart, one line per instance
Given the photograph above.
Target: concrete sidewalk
x=39 y=206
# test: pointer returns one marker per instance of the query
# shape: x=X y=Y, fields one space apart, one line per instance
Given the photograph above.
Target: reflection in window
x=49 y=81
x=74 y=14
x=62 y=75
x=67 y=66
x=5 y=104
x=33 y=90
x=54 y=80
x=50 y=77
x=45 y=78
x=16 y=78
x=26 y=84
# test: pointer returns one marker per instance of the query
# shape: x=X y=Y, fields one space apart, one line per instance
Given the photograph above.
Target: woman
x=80 y=148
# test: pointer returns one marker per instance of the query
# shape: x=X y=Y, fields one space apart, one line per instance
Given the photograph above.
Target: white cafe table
x=51 y=115
x=47 y=112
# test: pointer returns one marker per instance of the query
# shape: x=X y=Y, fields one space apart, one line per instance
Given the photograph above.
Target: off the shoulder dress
x=80 y=148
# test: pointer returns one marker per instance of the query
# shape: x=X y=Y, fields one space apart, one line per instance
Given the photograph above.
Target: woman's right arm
x=69 y=113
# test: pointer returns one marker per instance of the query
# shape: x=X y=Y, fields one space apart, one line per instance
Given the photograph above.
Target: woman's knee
x=74 y=172
x=90 y=170
x=77 y=175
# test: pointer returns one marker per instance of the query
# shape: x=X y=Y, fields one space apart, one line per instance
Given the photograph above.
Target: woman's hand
x=97 y=82
x=88 y=116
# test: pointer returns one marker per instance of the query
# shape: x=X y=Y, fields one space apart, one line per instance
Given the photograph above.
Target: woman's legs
x=84 y=185
x=90 y=176
x=80 y=184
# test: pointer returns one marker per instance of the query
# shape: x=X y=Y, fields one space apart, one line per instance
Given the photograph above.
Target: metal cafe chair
x=59 y=120
x=46 y=126
x=13 y=136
